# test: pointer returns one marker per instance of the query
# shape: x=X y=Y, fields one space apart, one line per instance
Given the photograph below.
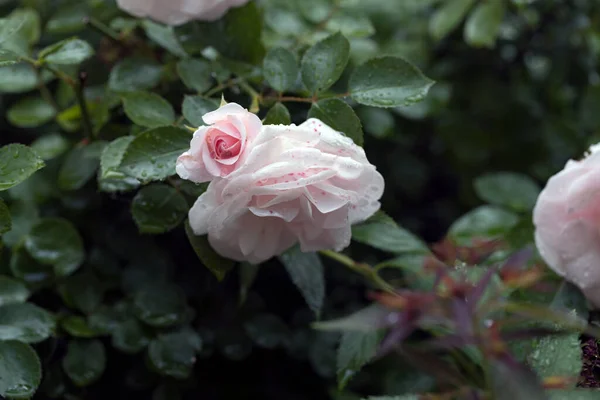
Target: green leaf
x=158 y=209
x=286 y=22
x=85 y=361
x=50 y=146
x=267 y=331
x=388 y=82
x=78 y=327
x=218 y=265
x=5 y=221
x=8 y=58
x=32 y=27
x=351 y=25
x=316 y=11
x=110 y=178
x=27 y=269
x=383 y=233
x=17 y=163
x=278 y=115
x=448 y=17
x=18 y=31
x=84 y=291
x=195 y=74
x=160 y=305
x=280 y=68
x=67 y=19
x=237 y=35
x=323 y=64
x=483 y=222
x=483 y=25
x=515 y=191
x=306 y=271
x=67 y=52
x=340 y=116
x=56 y=242
x=80 y=166
x=26 y=323
x=23 y=216
x=133 y=74
x=557 y=356
x=151 y=156
x=174 y=354
x=20 y=369
x=164 y=36
x=21 y=78
x=130 y=337
x=195 y=107
x=112 y=155
x=30 y=112
x=15 y=36
x=148 y=109
x=12 y=291
x=355 y=350
x=107 y=319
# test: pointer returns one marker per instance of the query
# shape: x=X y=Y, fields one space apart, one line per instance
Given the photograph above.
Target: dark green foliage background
x=524 y=102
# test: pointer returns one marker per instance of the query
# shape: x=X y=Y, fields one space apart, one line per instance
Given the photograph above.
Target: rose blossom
x=567 y=222
x=176 y=12
x=217 y=149
x=303 y=184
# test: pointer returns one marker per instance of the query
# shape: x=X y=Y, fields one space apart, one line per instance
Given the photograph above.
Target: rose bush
x=157 y=246
x=305 y=184
x=177 y=12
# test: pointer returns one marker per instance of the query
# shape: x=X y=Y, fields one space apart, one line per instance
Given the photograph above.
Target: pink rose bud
x=177 y=12
x=302 y=184
x=217 y=149
x=567 y=224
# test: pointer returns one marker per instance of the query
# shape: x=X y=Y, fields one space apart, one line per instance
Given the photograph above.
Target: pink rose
x=177 y=12
x=303 y=184
x=216 y=150
x=567 y=222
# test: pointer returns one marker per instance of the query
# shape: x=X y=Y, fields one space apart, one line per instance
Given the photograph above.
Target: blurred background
x=517 y=90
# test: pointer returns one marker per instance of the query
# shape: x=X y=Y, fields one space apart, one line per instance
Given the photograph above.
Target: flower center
x=222 y=145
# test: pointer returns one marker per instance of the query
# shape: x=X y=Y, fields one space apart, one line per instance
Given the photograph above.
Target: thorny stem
x=249 y=89
x=263 y=99
x=362 y=269
x=102 y=28
x=61 y=75
x=290 y=99
x=45 y=92
x=87 y=121
x=226 y=85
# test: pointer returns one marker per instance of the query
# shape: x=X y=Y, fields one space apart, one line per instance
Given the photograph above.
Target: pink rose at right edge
x=302 y=184
x=218 y=149
x=567 y=224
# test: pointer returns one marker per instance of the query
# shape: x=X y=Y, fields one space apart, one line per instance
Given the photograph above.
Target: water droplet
x=19 y=389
